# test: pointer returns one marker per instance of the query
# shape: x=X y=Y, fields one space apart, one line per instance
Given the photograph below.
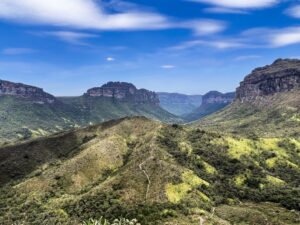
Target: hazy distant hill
x=28 y=111
x=267 y=103
x=212 y=102
x=179 y=104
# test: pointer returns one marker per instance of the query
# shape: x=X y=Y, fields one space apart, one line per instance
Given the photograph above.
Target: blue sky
x=68 y=46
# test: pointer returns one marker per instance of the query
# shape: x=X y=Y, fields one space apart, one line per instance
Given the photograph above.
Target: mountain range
x=27 y=112
x=240 y=165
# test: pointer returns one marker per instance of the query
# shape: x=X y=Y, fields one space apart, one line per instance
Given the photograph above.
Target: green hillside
x=22 y=119
x=99 y=109
x=277 y=115
x=154 y=172
x=203 y=110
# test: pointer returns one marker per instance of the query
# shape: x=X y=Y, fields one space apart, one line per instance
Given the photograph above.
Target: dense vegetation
x=156 y=173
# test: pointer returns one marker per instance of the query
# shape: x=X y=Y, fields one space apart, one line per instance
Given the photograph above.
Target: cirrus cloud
x=240 y=4
x=86 y=14
x=92 y=14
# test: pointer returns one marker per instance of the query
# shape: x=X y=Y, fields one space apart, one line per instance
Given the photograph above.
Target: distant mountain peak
x=125 y=92
x=214 y=97
x=26 y=91
x=281 y=76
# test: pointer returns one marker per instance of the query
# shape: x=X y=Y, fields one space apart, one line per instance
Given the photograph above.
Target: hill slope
x=157 y=173
x=267 y=103
x=212 y=102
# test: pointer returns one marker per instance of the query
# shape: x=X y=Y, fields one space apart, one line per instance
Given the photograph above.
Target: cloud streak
x=92 y=14
x=17 y=51
x=76 y=38
x=251 y=38
x=167 y=66
x=240 y=4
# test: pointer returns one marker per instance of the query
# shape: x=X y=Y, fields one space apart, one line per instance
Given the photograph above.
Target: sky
x=184 y=46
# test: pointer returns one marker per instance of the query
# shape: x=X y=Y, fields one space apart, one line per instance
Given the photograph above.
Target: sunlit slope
x=157 y=173
x=277 y=115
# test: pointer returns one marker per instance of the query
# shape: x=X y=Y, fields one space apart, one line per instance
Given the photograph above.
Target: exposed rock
x=282 y=76
x=124 y=92
x=25 y=91
x=215 y=97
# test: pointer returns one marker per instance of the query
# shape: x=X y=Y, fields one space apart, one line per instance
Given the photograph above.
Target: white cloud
x=17 y=51
x=205 y=27
x=110 y=59
x=224 y=10
x=92 y=14
x=240 y=4
x=274 y=38
x=86 y=14
x=288 y=36
x=247 y=57
x=252 y=38
x=69 y=36
x=294 y=11
x=167 y=66
x=218 y=44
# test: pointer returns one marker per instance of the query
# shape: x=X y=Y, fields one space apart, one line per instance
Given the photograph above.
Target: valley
x=239 y=165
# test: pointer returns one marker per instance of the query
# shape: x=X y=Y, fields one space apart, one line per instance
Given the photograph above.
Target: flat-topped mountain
x=125 y=92
x=281 y=76
x=215 y=97
x=26 y=91
x=212 y=102
x=267 y=103
x=28 y=112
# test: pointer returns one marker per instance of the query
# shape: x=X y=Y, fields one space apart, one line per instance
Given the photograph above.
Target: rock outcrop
x=282 y=76
x=25 y=91
x=215 y=97
x=124 y=92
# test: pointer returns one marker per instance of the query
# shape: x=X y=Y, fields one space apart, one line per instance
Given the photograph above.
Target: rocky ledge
x=281 y=76
x=26 y=91
x=215 y=97
x=124 y=92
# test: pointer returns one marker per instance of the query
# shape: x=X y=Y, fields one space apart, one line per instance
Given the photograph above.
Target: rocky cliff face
x=124 y=92
x=25 y=91
x=282 y=76
x=215 y=97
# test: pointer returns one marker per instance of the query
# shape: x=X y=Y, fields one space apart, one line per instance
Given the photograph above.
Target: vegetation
x=103 y=221
x=22 y=119
x=156 y=173
x=274 y=116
